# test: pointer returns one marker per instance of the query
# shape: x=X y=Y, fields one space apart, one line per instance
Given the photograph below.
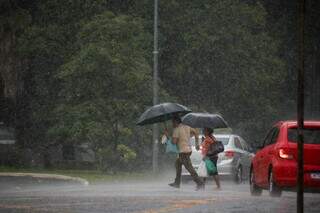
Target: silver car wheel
x=238 y=175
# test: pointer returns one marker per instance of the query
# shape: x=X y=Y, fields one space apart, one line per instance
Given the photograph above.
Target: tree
x=218 y=56
x=88 y=63
x=45 y=45
x=104 y=84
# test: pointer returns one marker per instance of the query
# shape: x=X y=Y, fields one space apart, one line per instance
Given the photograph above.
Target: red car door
x=265 y=157
x=260 y=159
x=269 y=153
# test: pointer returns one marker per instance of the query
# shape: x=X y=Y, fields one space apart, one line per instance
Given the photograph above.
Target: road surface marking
x=179 y=204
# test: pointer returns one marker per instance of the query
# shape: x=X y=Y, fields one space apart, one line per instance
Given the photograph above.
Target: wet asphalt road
x=142 y=197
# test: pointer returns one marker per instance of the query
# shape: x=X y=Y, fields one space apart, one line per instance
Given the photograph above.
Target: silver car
x=234 y=162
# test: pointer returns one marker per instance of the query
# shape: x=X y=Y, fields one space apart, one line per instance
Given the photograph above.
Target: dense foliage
x=88 y=70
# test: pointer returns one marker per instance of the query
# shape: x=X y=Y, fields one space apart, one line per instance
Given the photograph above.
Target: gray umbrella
x=162 y=112
x=201 y=120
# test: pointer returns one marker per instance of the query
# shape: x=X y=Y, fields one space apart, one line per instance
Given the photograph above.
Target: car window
x=268 y=137
x=271 y=137
x=237 y=143
x=275 y=135
x=250 y=149
x=244 y=144
x=310 y=135
x=7 y=135
x=224 y=140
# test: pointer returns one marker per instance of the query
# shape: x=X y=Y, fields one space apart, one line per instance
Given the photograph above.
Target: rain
x=155 y=106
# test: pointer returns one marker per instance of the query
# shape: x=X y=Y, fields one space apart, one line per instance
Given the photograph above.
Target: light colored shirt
x=183 y=133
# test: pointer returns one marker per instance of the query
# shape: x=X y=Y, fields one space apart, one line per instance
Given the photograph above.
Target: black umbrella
x=162 y=112
x=201 y=120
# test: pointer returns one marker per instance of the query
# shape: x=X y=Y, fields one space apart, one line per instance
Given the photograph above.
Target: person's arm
x=196 y=137
x=204 y=149
x=175 y=136
x=166 y=132
x=175 y=140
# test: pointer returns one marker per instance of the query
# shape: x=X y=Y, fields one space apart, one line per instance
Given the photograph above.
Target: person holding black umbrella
x=181 y=136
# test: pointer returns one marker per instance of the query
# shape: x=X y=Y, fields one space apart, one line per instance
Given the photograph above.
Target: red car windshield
x=311 y=135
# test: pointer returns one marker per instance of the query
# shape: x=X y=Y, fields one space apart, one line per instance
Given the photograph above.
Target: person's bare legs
x=217 y=180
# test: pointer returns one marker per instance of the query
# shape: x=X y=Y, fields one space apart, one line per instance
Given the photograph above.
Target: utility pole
x=155 y=132
x=300 y=106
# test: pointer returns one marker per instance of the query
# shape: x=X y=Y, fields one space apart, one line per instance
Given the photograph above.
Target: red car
x=274 y=167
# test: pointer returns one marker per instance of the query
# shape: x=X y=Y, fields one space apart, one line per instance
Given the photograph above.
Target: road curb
x=45 y=176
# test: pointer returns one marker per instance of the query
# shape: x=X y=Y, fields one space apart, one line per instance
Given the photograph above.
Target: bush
x=111 y=160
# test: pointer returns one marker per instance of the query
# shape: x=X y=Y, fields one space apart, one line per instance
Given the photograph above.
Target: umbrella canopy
x=162 y=112
x=201 y=120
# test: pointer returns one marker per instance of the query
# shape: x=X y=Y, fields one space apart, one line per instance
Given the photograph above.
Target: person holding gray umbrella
x=202 y=120
x=206 y=144
x=181 y=136
x=208 y=122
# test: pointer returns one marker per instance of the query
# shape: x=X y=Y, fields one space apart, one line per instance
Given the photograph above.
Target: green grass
x=93 y=176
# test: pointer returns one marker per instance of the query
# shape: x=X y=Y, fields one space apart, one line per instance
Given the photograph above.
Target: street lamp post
x=155 y=133
x=300 y=106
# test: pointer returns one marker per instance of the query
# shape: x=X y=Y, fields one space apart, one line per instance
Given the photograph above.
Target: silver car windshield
x=223 y=139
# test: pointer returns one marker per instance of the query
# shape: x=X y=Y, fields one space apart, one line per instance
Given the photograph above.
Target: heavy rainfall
x=155 y=106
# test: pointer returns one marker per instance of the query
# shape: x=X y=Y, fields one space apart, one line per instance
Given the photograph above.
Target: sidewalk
x=41 y=176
